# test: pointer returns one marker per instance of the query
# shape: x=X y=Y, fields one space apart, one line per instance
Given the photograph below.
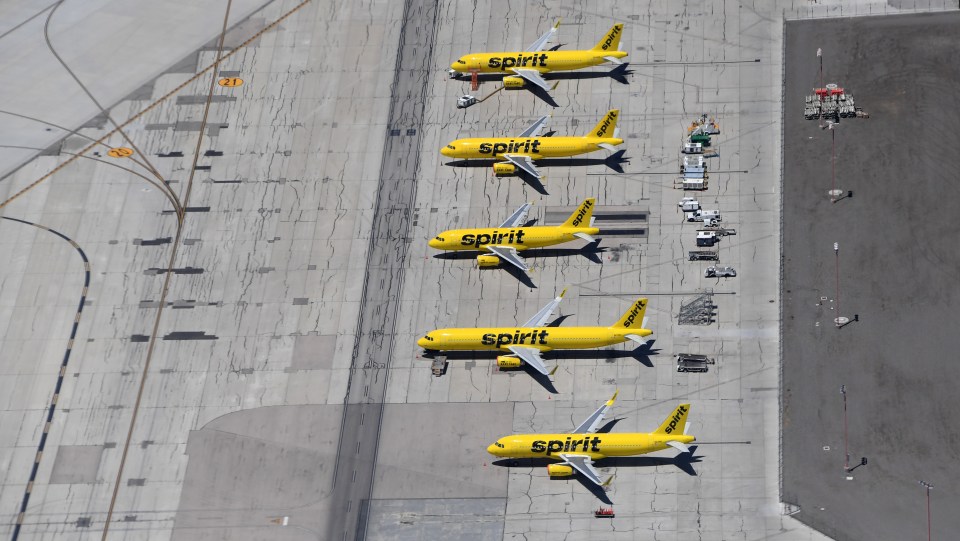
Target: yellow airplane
x=578 y=450
x=512 y=153
x=503 y=243
x=526 y=342
x=529 y=66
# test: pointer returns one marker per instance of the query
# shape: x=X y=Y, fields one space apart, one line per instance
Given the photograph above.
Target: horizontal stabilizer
x=635 y=338
x=607 y=146
x=613 y=60
x=678 y=446
x=585 y=237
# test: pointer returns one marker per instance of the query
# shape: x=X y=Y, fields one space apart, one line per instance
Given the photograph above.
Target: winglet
x=613 y=398
x=608 y=481
x=554 y=371
x=558 y=24
x=562 y=293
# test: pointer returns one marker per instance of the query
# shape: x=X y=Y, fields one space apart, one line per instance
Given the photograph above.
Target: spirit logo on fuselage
x=513 y=146
x=521 y=61
x=517 y=337
x=514 y=236
x=559 y=446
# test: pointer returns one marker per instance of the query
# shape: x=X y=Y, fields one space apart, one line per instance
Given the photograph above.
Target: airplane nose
x=422 y=343
x=434 y=243
x=445 y=151
x=492 y=449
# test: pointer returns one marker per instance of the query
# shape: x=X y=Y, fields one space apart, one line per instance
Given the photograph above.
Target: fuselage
x=543 y=61
x=519 y=238
x=542 y=338
x=595 y=445
x=535 y=147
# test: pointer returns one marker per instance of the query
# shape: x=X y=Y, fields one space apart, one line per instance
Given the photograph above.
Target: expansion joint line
x=60 y=375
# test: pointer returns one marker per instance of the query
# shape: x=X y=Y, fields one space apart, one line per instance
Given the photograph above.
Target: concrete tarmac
x=223 y=373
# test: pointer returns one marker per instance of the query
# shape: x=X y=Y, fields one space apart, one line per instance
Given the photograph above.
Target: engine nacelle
x=487 y=261
x=508 y=361
x=504 y=169
x=559 y=470
x=512 y=82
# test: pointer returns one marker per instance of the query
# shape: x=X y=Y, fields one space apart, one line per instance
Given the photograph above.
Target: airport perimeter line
x=150 y=107
x=60 y=374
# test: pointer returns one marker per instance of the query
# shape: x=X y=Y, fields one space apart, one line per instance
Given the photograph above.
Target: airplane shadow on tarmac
x=613 y=161
x=683 y=461
x=591 y=251
x=641 y=354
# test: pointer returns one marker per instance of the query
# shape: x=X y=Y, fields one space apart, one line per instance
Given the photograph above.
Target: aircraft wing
x=543 y=40
x=590 y=423
x=518 y=217
x=530 y=356
x=545 y=313
x=534 y=77
x=536 y=128
x=509 y=255
x=584 y=465
x=524 y=163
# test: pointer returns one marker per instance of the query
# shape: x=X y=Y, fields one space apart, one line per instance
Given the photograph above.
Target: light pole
x=839 y=320
x=927 y=486
x=820 y=58
x=846 y=447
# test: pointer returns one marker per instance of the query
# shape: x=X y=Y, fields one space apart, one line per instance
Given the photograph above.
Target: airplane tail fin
x=611 y=41
x=633 y=318
x=607 y=125
x=583 y=215
x=676 y=422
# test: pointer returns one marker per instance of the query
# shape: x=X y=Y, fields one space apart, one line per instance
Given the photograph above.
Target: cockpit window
x=498 y=444
x=451 y=147
x=441 y=239
x=427 y=337
x=461 y=62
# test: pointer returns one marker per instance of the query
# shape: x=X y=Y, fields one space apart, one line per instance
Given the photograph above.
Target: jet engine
x=487 y=261
x=559 y=470
x=508 y=361
x=513 y=82
x=504 y=169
